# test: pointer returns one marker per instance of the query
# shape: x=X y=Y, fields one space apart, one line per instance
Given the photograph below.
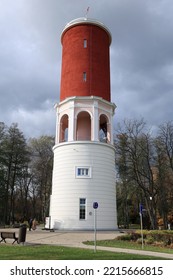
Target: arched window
x=83 y=126
x=103 y=129
x=64 y=129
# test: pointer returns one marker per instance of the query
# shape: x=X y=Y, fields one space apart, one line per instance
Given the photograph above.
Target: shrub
x=136 y=235
x=164 y=237
x=139 y=241
x=149 y=240
x=126 y=237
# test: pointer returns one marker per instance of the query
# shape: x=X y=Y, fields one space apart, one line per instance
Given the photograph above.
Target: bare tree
x=42 y=165
x=164 y=145
x=139 y=152
x=13 y=158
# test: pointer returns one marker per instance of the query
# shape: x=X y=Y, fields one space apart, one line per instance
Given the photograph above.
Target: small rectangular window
x=85 y=43
x=84 y=76
x=82 y=208
x=83 y=172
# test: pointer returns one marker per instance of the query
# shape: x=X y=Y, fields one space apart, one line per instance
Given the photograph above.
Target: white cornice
x=85 y=98
x=89 y=21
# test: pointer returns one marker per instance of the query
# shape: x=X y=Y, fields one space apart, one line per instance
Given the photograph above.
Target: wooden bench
x=8 y=235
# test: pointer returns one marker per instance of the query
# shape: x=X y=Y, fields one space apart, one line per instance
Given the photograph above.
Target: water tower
x=84 y=155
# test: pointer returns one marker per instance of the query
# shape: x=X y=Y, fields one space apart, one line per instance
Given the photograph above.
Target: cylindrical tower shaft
x=85 y=60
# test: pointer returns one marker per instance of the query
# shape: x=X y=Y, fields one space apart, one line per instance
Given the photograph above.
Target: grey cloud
x=30 y=58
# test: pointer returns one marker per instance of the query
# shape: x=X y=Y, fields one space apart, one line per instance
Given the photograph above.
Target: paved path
x=76 y=239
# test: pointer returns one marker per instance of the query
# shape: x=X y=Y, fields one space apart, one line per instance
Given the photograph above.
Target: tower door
x=83 y=128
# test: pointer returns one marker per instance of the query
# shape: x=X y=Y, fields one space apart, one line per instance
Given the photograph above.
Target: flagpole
x=87 y=11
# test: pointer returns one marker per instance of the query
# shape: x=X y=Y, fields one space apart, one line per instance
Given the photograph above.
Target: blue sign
x=95 y=205
x=140 y=208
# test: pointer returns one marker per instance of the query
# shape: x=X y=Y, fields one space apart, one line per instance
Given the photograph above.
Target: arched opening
x=103 y=129
x=83 y=127
x=64 y=129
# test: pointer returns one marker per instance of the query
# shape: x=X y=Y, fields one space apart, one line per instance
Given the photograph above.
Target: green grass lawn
x=130 y=245
x=46 y=252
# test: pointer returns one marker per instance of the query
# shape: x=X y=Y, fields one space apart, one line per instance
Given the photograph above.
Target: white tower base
x=84 y=172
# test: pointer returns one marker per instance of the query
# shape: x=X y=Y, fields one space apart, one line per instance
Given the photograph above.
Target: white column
x=57 y=126
x=95 y=122
x=111 y=130
x=71 y=122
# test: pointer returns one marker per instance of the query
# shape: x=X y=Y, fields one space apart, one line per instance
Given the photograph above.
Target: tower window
x=82 y=208
x=84 y=76
x=85 y=43
x=83 y=172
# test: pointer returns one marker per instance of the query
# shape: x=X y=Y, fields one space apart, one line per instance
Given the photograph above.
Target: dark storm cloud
x=30 y=58
x=143 y=63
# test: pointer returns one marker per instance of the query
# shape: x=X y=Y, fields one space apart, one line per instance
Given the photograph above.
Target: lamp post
x=95 y=206
x=151 y=210
x=141 y=222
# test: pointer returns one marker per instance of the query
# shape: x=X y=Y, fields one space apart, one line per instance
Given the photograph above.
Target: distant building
x=84 y=155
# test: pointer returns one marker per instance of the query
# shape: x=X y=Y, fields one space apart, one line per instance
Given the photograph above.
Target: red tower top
x=85 y=59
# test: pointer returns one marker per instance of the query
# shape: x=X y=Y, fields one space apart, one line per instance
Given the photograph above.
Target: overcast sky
x=30 y=58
